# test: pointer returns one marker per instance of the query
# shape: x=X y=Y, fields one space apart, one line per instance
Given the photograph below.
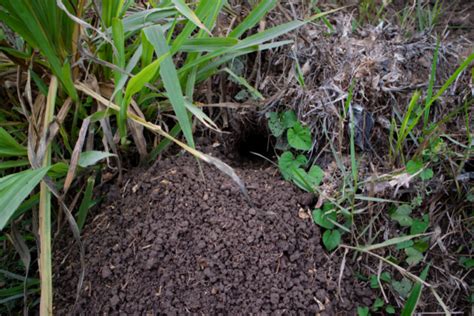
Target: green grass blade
x=208 y=44
x=170 y=79
x=45 y=257
x=135 y=85
x=452 y=78
x=391 y=242
x=14 y=189
x=253 y=18
x=183 y=8
x=242 y=81
x=86 y=203
x=164 y=143
x=9 y=147
x=412 y=301
x=429 y=93
x=246 y=43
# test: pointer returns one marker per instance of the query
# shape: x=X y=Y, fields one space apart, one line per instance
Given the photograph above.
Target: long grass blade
x=45 y=261
x=170 y=79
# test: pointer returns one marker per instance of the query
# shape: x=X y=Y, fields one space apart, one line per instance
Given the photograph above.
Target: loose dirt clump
x=174 y=240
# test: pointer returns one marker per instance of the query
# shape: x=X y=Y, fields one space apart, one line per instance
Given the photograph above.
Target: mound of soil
x=174 y=241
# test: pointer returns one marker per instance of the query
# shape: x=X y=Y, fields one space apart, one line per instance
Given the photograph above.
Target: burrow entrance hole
x=251 y=139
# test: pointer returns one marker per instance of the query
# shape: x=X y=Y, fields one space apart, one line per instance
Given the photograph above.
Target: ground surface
x=171 y=241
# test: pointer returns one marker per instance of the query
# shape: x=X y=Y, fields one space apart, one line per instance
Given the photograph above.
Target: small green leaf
x=385 y=276
x=468 y=263
x=390 y=309
x=289 y=119
x=299 y=137
x=413 y=166
x=321 y=218
x=331 y=239
x=420 y=226
x=426 y=174
x=374 y=283
x=402 y=287
x=377 y=304
x=362 y=311
x=402 y=215
x=413 y=256
x=422 y=244
x=275 y=124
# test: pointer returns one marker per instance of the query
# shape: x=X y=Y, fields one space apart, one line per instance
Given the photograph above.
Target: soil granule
x=173 y=240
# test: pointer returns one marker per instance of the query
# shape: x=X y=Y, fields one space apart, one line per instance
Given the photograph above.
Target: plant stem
x=46 y=302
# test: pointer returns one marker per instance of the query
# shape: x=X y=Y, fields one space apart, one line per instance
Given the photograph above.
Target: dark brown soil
x=172 y=242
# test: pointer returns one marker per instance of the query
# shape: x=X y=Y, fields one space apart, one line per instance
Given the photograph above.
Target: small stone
x=252 y=211
x=306 y=199
x=150 y=263
x=295 y=256
x=155 y=194
x=114 y=300
x=274 y=298
x=106 y=272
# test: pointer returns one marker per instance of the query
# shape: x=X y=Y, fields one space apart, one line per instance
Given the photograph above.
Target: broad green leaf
x=15 y=188
x=287 y=163
x=9 y=147
x=402 y=215
x=135 y=85
x=331 y=239
x=299 y=137
x=412 y=300
x=170 y=79
x=13 y=164
x=307 y=180
x=90 y=158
